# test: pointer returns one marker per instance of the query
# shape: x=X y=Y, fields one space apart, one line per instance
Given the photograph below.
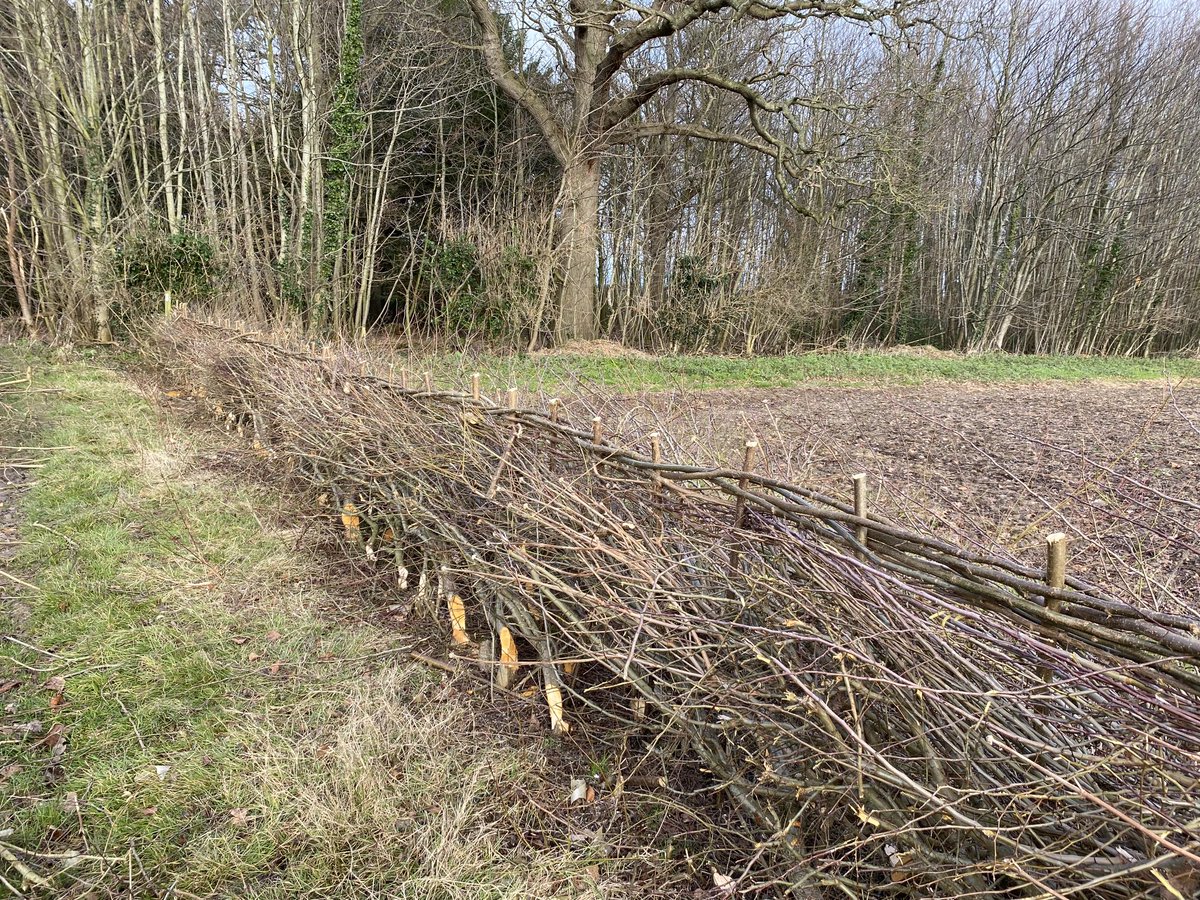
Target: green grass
x=637 y=373
x=157 y=598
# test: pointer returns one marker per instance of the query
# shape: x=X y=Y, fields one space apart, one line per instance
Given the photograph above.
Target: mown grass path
x=183 y=717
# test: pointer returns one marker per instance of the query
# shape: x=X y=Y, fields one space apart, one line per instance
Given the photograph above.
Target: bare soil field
x=1115 y=466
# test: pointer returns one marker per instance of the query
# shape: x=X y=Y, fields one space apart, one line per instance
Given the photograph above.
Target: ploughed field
x=997 y=467
x=990 y=451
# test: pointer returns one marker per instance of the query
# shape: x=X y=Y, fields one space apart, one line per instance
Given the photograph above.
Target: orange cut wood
x=508 y=658
x=554 y=700
x=352 y=522
x=458 y=619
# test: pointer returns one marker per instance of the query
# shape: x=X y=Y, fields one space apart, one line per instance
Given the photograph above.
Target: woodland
x=737 y=176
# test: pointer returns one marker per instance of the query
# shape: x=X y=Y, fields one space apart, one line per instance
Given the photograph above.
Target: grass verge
x=183 y=717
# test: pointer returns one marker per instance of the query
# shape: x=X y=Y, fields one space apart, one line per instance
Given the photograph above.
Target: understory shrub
x=149 y=263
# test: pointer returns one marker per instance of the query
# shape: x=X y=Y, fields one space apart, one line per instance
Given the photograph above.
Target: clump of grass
x=223 y=737
x=399 y=761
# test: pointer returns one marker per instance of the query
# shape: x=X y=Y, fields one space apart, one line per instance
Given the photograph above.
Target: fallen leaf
x=272 y=636
x=53 y=738
x=150 y=811
x=254 y=657
x=174 y=395
x=274 y=670
x=724 y=885
x=56 y=701
x=9 y=771
x=70 y=802
x=578 y=790
x=8 y=686
x=162 y=771
x=591 y=794
x=240 y=817
x=57 y=684
x=239 y=640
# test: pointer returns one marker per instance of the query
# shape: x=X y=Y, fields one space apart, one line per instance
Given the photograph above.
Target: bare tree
x=609 y=57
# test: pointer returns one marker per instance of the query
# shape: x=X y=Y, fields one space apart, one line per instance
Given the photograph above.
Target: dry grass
x=394 y=790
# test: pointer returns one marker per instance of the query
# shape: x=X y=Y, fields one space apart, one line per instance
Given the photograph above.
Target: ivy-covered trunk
x=95 y=170
x=345 y=136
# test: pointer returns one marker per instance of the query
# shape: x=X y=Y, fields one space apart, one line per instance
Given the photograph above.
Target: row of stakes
x=509 y=662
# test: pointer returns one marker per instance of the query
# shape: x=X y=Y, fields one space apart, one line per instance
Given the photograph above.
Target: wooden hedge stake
x=1056 y=566
x=860 y=505
x=512 y=398
x=555 y=406
x=597 y=430
x=744 y=482
x=404 y=379
x=429 y=382
x=655 y=457
x=475 y=393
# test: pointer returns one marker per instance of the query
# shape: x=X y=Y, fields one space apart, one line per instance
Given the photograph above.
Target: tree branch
x=622 y=108
x=512 y=84
x=654 y=129
x=658 y=23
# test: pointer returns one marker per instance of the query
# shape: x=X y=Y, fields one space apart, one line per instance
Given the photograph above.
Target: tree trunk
x=579 y=244
x=15 y=267
x=15 y=263
x=164 y=128
x=95 y=165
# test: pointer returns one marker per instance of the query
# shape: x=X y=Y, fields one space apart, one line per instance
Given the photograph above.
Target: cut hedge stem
x=878 y=709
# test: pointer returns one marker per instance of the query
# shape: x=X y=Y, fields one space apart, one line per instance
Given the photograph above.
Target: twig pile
x=897 y=716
